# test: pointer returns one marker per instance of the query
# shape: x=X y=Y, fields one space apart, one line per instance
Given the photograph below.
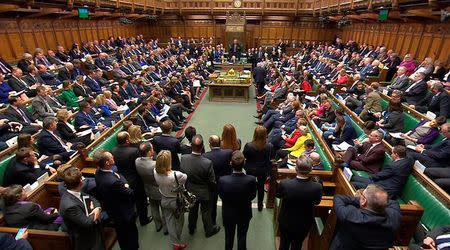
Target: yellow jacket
x=299 y=145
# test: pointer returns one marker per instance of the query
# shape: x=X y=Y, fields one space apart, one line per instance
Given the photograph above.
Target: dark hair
x=12 y=194
x=309 y=143
x=100 y=158
x=237 y=160
x=23 y=153
x=144 y=148
x=12 y=99
x=189 y=132
x=340 y=111
x=24 y=140
x=370 y=125
x=197 y=143
x=400 y=151
x=395 y=106
x=83 y=104
x=166 y=126
x=71 y=177
x=127 y=124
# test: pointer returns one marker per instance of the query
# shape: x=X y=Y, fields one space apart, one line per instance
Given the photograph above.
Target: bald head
x=315 y=157
x=214 y=141
x=123 y=138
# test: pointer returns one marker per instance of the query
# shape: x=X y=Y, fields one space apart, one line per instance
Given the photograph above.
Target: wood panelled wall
x=419 y=39
x=19 y=36
x=267 y=32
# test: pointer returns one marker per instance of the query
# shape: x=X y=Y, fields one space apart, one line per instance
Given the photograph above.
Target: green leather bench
x=319 y=150
x=108 y=144
x=3 y=164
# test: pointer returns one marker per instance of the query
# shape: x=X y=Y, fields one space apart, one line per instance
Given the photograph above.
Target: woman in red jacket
x=343 y=78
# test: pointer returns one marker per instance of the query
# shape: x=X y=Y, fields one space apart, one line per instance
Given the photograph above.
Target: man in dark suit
x=17 y=113
x=298 y=196
x=221 y=163
x=369 y=157
x=48 y=77
x=167 y=142
x=85 y=120
x=201 y=182
x=440 y=101
x=237 y=192
x=367 y=222
x=33 y=78
x=80 y=89
x=66 y=73
x=436 y=155
x=259 y=75
x=22 y=171
x=417 y=91
x=125 y=158
x=5 y=68
x=17 y=83
x=50 y=142
x=117 y=199
x=92 y=83
x=83 y=226
x=392 y=177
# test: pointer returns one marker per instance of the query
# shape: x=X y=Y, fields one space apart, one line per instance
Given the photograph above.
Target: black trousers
x=230 y=229
x=260 y=181
x=292 y=240
x=215 y=197
x=441 y=176
x=205 y=208
x=127 y=235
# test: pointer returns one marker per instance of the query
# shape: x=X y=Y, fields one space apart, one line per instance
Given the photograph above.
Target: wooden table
x=235 y=66
x=228 y=92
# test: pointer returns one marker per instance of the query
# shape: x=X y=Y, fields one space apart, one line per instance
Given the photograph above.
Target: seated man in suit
x=48 y=77
x=221 y=159
x=392 y=177
x=400 y=82
x=417 y=90
x=438 y=238
x=83 y=226
x=17 y=113
x=372 y=102
x=50 y=142
x=85 y=119
x=118 y=73
x=17 y=83
x=368 y=157
x=24 y=169
x=66 y=73
x=237 y=192
x=317 y=162
x=33 y=78
x=92 y=83
x=368 y=222
x=436 y=158
x=41 y=107
x=21 y=213
x=440 y=101
x=167 y=142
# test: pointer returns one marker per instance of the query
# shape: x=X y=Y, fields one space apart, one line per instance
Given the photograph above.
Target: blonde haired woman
x=164 y=177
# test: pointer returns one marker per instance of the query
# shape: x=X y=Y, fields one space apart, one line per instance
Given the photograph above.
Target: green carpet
x=208 y=119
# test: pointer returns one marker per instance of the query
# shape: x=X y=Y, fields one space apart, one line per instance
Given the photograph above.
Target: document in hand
x=341 y=147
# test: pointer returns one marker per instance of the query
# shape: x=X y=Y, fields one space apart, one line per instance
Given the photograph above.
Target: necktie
x=24 y=116
x=23 y=82
x=59 y=139
x=49 y=109
x=134 y=89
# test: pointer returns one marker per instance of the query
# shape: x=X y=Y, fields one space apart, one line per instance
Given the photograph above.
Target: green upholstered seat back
x=108 y=144
x=3 y=164
x=436 y=213
x=319 y=150
x=384 y=104
x=410 y=122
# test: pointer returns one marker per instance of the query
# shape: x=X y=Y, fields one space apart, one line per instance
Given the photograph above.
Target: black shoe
x=260 y=207
x=259 y=123
x=191 y=231
x=159 y=229
x=214 y=231
x=146 y=221
x=258 y=116
x=166 y=233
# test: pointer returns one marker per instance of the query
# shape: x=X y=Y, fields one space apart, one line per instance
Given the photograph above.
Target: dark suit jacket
x=395 y=122
x=259 y=74
x=440 y=105
x=394 y=176
x=19 y=173
x=65 y=132
x=84 y=232
x=49 y=145
x=167 y=142
x=298 y=199
x=16 y=85
x=237 y=192
x=437 y=155
x=94 y=85
x=12 y=115
x=125 y=158
x=221 y=159
x=257 y=163
x=363 y=229
x=118 y=200
x=82 y=90
x=374 y=159
x=65 y=74
x=200 y=175
x=416 y=94
x=33 y=80
x=29 y=215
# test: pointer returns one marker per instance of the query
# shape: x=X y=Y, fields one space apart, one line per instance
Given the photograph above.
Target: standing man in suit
x=298 y=196
x=237 y=192
x=118 y=200
x=221 y=163
x=125 y=158
x=392 y=177
x=368 y=222
x=202 y=182
x=417 y=91
x=167 y=142
x=83 y=226
x=259 y=75
x=368 y=157
x=17 y=113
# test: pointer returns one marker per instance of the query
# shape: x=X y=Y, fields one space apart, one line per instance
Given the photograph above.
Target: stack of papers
x=341 y=147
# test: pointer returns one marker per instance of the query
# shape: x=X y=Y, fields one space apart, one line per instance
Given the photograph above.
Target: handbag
x=185 y=199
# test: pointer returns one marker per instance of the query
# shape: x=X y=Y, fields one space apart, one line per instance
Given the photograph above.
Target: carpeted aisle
x=209 y=118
